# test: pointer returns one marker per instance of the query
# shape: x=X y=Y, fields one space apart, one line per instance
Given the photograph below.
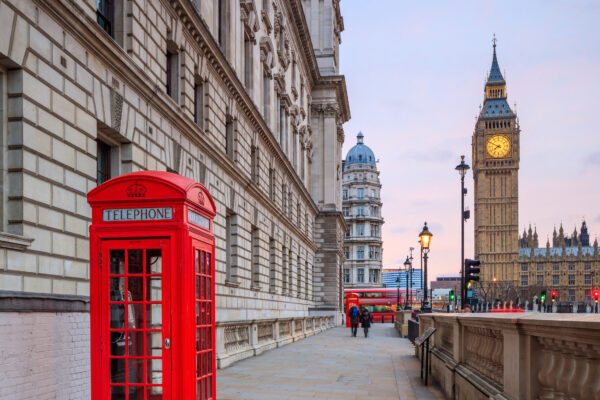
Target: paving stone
x=331 y=365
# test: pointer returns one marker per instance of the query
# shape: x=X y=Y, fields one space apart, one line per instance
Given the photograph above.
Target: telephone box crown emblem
x=201 y=197
x=136 y=190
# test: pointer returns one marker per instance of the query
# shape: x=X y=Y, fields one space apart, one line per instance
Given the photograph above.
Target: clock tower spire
x=495 y=145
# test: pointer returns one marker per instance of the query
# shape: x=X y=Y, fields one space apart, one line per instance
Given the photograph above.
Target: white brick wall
x=44 y=356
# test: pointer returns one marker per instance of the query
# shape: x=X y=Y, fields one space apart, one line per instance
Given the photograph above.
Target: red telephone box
x=351 y=301
x=152 y=286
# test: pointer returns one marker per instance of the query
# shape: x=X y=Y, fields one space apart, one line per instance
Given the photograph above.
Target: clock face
x=498 y=146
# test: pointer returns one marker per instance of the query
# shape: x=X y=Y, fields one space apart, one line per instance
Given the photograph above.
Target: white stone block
x=50 y=265
x=11 y=282
x=83 y=248
x=63 y=198
x=50 y=75
x=63 y=244
x=63 y=107
x=86 y=121
x=76 y=269
x=61 y=286
x=37 y=285
x=50 y=123
x=51 y=218
x=51 y=170
x=86 y=164
x=36 y=90
x=19 y=261
x=75 y=225
x=63 y=153
x=35 y=188
x=83 y=288
x=76 y=181
x=76 y=138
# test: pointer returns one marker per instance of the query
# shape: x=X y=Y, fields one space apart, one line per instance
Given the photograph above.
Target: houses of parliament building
x=516 y=268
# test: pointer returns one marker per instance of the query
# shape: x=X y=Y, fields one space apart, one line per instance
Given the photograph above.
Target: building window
x=230 y=237
x=524 y=267
x=223 y=26
x=571 y=280
x=347 y=253
x=375 y=232
x=588 y=294
x=298 y=277
x=524 y=280
x=373 y=275
x=255 y=167
x=360 y=210
x=229 y=137
x=346 y=211
x=360 y=275
x=360 y=193
x=199 y=103
x=272 y=183
x=571 y=267
x=587 y=267
x=555 y=280
x=103 y=162
x=540 y=280
x=255 y=245
x=172 y=71
x=248 y=63
x=344 y=194
x=346 y=275
x=347 y=233
x=283 y=199
x=555 y=267
x=360 y=252
x=272 y=265
x=266 y=96
x=3 y=145
x=105 y=15
x=360 y=229
x=571 y=295
x=540 y=267
x=587 y=279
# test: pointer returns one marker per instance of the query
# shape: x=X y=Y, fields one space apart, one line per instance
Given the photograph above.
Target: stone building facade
x=361 y=193
x=496 y=155
x=231 y=93
x=570 y=265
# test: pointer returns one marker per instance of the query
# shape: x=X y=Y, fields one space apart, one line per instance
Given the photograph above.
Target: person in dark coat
x=354 y=317
x=365 y=319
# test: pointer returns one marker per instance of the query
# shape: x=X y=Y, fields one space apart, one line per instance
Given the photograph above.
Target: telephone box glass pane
x=136 y=371
x=135 y=261
x=154 y=316
x=117 y=392
x=135 y=289
x=154 y=344
x=154 y=366
x=153 y=261
x=154 y=288
x=117 y=262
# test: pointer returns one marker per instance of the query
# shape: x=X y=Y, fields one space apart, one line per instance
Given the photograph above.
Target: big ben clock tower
x=496 y=175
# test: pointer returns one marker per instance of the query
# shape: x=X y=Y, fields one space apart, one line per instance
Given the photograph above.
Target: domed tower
x=361 y=197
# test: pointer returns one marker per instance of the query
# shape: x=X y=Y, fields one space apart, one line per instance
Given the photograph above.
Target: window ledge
x=255 y=287
x=16 y=242
x=232 y=283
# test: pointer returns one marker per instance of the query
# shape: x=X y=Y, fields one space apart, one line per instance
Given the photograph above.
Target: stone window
x=571 y=295
x=266 y=95
x=373 y=275
x=272 y=265
x=255 y=245
x=284 y=268
x=103 y=162
x=524 y=280
x=555 y=280
x=360 y=229
x=306 y=281
x=229 y=137
x=172 y=68
x=587 y=267
x=345 y=194
x=290 y=263
x=524 y=267
x=199 y=102
x=347 y=253
x=298 y=213
x=283 y=198
x=375 y=231
x=299 y=277
x=248 y=63
x=223 y=26
x=347 y=233
x=360 y=275
x=346 y=211
x=540 y=280
x=255 y=166
x=360 y=253
x=360 y=210
x=540 y=267
x=346 y=275
x=110 y=15
x=231 y=244
x=587 y=294
x=571 y=280
x=587 y=279
x=571 y=267
x=360 y=193
x=555 y=267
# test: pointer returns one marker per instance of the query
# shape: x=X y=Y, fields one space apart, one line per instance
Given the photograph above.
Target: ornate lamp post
x=407 y=268
x=462 y=169
x=425 y=236
x=398 y=288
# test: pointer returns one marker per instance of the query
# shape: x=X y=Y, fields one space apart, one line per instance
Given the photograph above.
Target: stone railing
x=236 y=340
x=516 y=356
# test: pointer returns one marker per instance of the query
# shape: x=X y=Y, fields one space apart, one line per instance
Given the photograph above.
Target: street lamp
x=425 y=236
x=407 y=265
x=398 y=288
x=462 y=169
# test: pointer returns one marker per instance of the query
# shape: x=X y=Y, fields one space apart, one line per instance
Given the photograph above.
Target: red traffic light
x=553 y=293
x=596 y=294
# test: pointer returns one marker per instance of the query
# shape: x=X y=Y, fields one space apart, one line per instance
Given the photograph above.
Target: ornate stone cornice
x=337 y=83
x=249 y=18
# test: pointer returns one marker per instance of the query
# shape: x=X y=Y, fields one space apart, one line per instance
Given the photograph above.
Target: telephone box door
x=205 y=331
x=136 y=321
x=351 y=301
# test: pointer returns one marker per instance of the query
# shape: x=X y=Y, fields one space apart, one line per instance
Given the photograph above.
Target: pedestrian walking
x=354 y=316
x=365 y=319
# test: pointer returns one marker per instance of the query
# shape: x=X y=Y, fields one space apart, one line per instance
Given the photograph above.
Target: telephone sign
x=152 y=286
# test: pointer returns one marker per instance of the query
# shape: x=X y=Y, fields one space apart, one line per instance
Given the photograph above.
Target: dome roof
x=360 y=153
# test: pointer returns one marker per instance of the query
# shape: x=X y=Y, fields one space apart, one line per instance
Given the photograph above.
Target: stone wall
x=515 y=356
x=44 y=356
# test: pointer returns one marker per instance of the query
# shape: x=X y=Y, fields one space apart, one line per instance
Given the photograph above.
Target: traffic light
x=543 y=296
x=471 y=270
x=596 y=296
x=452 y=295
x=553 y=296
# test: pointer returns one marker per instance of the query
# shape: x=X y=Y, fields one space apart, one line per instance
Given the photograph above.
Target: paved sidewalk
x=330 y=365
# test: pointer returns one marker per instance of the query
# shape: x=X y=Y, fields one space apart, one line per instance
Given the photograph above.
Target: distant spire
x=495 y=76
x=359 y=138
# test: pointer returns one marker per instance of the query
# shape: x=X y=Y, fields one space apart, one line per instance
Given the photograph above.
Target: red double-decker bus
x=381 y=303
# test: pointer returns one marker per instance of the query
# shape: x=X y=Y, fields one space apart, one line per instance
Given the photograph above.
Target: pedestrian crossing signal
x=452 y=295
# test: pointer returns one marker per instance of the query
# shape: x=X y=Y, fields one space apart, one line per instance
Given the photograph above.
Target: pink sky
x=415 y=73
